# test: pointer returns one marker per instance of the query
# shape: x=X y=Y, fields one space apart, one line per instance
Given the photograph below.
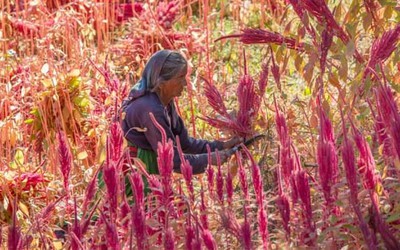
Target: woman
x=163 y=78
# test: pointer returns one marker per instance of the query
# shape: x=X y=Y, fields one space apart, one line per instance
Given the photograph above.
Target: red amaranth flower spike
x=351 y=176
x=116 y=141
x=242 y=176
x=229 y=187
x=283 y=204
x=255 y=36
x=208 y=240
x=382 y=48
x=210 y=173
x=169 y=239
x=320 y=10
x=220 y=180
x=214 y=98
x=65 y=158
x=186 y=170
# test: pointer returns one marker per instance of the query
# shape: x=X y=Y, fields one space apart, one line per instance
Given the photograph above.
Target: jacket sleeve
x=195 y=150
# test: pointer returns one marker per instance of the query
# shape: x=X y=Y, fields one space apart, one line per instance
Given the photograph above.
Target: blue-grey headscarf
x=150 y=75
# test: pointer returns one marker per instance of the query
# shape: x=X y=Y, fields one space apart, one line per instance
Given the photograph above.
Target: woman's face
x=175 y=86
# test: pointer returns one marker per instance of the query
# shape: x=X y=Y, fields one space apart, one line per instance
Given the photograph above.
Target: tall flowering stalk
x=137 y=212
x=210 y=173
x=259 y=36
x=208 y=239
x=351 y=176
x=219 y=180
x=165 y=155
x=367 y=168
x=203 y=210
x=320 y=10
x=305 y=197
x=246 y=232
x=283 y=203
x=382 y=48
x=242 y=177
x=285 y=154
x=116 y=141
x=229 y=187
x=389 y=113
x=186 y=170
x=111 y=233
x=327 y=159
x=14 y=241
x=111 y=179
x=169 y=239
x=189 y=233
x=249 y=102
x=258 y=189
x=65 y=158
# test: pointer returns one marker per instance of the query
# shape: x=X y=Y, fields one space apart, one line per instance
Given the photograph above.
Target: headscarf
x=150 y=75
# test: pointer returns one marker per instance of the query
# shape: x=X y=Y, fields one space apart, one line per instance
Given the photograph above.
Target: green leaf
x=393 y=218
x=29 y=121
x=74 y=82
x=350 y=48
x=367 y=21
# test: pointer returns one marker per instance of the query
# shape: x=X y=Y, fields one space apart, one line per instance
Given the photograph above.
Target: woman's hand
x=223 y=156
x=232 y=142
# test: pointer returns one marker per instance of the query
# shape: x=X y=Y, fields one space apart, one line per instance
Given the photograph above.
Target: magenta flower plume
x=167 y=13
x=169 y=239
x=214 y=98
x=186 y=170
x=208 y=240
x=320 y=10
x=327 y=157
x=283 y=203
x=242 y=176
x=139 y=226
x=382 y=48
x=14 y=240
x=189 y=233
x=203 y=210
x=111 y=233
x=229 y=187
x=351 y=176
x=111 y=180
x=246 y=232
x=116 y=140
x=389 y=113
x=165 y=155
x=90 y=191
x=220 y=180
x=366 y=162
x=249 y=102
x=138 y=188
x=305 y=197
x=257 y=36
x=325 y=45
x=65 y=158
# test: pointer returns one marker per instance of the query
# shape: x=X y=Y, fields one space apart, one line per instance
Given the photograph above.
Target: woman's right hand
x=223 y=156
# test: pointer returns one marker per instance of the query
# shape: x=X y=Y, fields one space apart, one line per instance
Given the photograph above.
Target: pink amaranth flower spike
x=382 y=48
x=351 y=176
x=138 y=187
x=65 y=158
x=320 y=10
x=255 y=36
x=220 y=180
x=327 y=158
x=116 y=140
x=209 y=241
x=229 y=187
x=186 y=170
x=169 y=239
